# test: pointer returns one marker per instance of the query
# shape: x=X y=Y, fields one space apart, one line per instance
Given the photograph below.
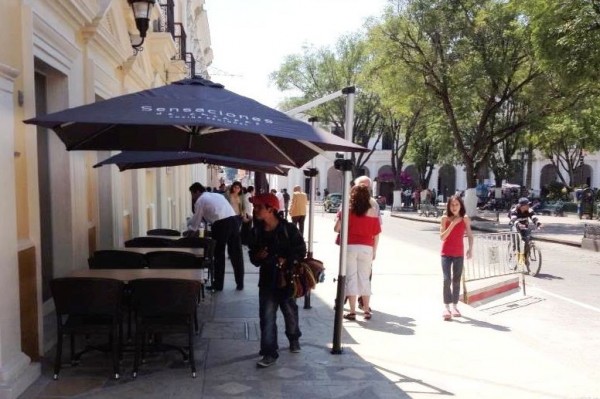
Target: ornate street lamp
x=141 y=12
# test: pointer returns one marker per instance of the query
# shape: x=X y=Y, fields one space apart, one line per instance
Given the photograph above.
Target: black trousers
x=226 y=233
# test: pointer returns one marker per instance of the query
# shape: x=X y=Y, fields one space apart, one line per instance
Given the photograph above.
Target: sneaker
x=295 y=346
x=266 y=361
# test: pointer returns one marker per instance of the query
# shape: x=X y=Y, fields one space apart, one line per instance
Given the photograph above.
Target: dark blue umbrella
x=154 y=159
x=192 y=115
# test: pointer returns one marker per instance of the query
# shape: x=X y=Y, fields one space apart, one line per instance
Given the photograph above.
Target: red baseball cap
x=269 y=200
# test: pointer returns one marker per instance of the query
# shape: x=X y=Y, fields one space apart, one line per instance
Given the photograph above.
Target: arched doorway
x=581 y=177
x=548 y=175
x=414 y=176
x=385 y=180
x=447 y=181
x=334 y=180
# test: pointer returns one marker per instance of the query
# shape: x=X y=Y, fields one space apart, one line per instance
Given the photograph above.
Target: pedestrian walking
x=363 y=236
x=286 y=202
x=215 y=209
x=298 y=208
x=274 y=245
x=453 y=227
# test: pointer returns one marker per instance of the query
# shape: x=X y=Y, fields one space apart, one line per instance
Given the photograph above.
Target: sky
x=251 y=38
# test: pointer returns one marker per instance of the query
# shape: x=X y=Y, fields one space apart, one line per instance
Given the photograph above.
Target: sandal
x=447 y=316
x=350 y=316
x=367 y=315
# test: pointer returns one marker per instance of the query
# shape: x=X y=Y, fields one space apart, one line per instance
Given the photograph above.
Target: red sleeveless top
x=453 y=245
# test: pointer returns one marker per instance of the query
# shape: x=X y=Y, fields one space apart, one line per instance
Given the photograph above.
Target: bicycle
x=529 y=258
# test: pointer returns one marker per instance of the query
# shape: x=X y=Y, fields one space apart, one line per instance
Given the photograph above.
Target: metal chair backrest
x=148 y=242
x=87 y=296
x=159 y=297
x=206 y=243
x=172 y=260
x=117 y=259
x=164 y=232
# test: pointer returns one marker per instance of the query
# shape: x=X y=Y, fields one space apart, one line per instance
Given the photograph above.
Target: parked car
x=332 y=202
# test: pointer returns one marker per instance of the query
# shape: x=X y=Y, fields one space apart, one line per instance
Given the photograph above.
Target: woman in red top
x=364 y=227
x=452 y=230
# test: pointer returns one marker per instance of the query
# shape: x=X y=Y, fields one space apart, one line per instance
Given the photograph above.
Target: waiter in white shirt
x=216 y=210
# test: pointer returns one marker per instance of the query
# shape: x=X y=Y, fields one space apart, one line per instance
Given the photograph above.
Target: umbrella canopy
x=154 y=159
x=192 y=115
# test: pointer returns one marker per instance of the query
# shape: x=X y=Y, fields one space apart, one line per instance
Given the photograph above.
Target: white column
x=16 y=370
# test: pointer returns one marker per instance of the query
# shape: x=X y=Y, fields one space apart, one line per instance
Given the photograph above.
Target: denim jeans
x=452 y=267
x=269 y=300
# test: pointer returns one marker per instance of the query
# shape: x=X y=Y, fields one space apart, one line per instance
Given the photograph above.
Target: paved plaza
x=406 y=350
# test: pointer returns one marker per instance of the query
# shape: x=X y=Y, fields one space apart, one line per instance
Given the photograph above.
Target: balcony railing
x=166 y=23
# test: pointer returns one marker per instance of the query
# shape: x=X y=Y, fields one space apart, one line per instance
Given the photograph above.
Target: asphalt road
x=560 y=315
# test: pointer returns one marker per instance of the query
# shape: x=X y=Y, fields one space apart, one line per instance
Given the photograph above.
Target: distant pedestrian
x=452 y=230
x=298 y=208
x=286 y=202
x=274 y=245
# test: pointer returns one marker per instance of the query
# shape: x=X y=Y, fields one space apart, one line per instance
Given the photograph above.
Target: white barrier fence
x=494 y=255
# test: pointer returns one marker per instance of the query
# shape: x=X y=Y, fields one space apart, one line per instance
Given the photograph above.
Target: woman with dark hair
x=453 y=227
x=364 y=227
x=235 y=196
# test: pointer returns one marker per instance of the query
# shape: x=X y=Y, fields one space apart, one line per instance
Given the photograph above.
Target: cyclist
x=519 y=220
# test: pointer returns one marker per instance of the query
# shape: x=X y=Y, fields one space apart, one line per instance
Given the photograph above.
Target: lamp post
x=141 y=12
x=581 y=160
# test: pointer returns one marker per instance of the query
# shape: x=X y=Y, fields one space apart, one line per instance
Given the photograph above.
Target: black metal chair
x=148 y=242
x=117 y=259
x=164 y=306
x=207 y=244
x=172 y=260
x=164 y=232
x=87 y=306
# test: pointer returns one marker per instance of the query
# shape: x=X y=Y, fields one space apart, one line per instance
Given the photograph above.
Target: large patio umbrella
x=154 y=159
x=192 y=115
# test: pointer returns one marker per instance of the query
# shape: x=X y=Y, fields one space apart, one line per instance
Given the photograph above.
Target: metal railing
x=494 y=255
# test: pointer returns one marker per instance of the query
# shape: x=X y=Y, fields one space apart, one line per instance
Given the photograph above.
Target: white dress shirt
x=210 y=207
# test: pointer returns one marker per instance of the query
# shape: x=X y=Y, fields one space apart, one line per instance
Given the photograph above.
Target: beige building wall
x=57 y=209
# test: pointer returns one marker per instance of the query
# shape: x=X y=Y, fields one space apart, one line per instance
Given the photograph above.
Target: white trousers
x=358 y=270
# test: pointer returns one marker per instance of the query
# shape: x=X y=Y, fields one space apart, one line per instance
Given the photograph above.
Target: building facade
x=57 y=209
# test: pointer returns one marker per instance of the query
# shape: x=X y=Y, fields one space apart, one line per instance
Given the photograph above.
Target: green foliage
x=566 y=35
x=319 y=72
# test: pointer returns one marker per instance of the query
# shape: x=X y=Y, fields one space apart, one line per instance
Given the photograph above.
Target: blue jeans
x=269 y=300
x=452 y=267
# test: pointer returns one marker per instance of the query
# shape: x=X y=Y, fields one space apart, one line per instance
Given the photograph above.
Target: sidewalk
x=405 y=351
x=566 y=230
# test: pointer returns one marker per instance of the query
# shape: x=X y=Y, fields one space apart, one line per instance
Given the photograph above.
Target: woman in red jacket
x=452 y=231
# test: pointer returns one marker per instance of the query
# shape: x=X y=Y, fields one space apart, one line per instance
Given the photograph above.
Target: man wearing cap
x=274 y=245
x=519 y=219
x=215 y=209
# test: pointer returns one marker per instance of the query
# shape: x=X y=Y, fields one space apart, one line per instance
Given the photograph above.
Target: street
x=548 y=338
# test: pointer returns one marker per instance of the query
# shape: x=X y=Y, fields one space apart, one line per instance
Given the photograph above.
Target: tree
x=566 y=35
x=318 y=72
x=567 y=136
x=474 y=57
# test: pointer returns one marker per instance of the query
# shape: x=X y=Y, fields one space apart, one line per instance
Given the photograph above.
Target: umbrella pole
x=345 y=165
x=311 y=173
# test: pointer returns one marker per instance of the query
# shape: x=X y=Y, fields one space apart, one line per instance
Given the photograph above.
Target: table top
x=132 y=274
x=198 y=252
x=172 y=238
